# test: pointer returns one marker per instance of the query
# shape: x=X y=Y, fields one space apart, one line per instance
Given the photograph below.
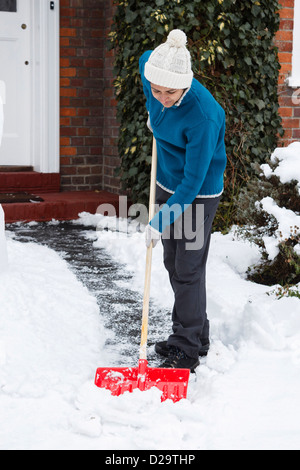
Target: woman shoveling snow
x=189 y=128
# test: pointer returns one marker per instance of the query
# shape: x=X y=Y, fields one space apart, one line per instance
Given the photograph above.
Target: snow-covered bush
x=269 y=214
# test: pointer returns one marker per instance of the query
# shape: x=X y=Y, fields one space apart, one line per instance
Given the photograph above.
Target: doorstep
x=59 y=206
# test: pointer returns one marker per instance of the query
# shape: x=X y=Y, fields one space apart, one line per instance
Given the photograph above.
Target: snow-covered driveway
x=53 y=335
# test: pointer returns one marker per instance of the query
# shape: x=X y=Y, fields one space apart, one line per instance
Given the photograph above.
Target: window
x=8 y=5
x=294 y=80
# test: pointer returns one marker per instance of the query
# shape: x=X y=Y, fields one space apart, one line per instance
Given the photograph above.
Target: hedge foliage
x=231 y=43
x=257 y=225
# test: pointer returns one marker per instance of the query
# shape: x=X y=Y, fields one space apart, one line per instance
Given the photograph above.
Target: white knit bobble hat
x=169 y=65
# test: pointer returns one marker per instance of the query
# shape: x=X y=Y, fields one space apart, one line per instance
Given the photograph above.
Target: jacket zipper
x=160 y=117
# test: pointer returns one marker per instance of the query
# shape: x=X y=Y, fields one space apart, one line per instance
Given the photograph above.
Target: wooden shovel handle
x=143 y=347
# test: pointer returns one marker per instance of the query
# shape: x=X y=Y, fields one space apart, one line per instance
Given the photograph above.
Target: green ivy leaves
x=231 y=43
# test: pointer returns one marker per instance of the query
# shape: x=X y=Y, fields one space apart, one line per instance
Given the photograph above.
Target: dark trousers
x=185 y=260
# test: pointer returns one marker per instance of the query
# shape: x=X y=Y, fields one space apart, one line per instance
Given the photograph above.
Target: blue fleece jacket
x=190 y=148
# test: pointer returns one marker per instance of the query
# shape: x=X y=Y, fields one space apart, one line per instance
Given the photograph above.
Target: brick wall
x=111 y=159
x=88 y=124
x=89 y=129
x=289 y=108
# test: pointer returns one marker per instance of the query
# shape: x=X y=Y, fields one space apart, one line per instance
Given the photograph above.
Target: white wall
x=3 y=247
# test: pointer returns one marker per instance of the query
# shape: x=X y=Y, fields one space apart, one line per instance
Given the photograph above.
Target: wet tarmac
x=120 y=305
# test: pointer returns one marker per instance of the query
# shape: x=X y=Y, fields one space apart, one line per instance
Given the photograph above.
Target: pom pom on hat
x=170 y=63
x=177 y=38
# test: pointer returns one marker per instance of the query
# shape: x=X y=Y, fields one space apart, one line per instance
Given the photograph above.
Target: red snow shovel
x=173 y=383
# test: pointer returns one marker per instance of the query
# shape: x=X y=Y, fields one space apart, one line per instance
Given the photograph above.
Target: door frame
x=45 y=86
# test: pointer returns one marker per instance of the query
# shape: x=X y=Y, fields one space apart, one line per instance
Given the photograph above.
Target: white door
x=15 y=75
x=29 y=83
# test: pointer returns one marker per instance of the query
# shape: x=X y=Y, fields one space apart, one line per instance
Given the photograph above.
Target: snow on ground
x=245 y=394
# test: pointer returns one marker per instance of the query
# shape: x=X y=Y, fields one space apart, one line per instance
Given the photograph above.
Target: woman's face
x=166 y=96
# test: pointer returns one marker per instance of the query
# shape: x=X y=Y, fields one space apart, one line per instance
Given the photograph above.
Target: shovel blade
x=173 y=383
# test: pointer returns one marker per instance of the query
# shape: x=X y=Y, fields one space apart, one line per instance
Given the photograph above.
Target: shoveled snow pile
x=245 y=394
